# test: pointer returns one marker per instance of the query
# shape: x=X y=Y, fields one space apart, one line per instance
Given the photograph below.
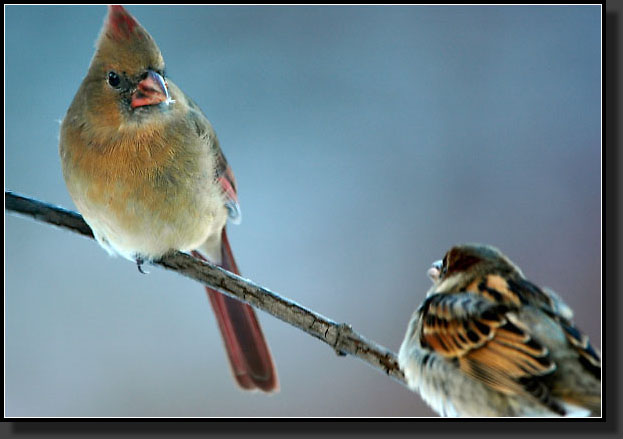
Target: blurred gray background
x=365 y=140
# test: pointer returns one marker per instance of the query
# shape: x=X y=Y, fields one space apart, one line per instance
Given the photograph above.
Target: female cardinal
x=144 y=167
x=488 y=342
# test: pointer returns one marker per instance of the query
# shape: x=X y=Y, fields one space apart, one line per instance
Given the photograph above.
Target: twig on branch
x=340 y=337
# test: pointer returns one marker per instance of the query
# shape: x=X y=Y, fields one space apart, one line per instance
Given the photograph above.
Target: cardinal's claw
x=139 y=264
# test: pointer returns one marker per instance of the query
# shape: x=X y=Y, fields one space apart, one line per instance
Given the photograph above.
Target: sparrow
x=488 y=342
x=143 y=166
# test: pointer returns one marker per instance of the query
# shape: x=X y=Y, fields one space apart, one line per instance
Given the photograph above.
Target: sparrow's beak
x=152 y=90
x=434 y=271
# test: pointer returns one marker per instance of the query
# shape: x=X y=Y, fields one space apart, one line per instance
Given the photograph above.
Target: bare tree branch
x=340 y=337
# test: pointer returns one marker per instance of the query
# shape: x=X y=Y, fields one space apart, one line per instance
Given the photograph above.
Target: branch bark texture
x=340 y=336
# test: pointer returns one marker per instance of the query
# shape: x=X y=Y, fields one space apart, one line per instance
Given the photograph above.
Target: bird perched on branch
x=144 y=167
x=488 y=342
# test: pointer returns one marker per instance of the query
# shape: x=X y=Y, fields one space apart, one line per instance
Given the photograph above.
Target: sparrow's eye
x=113 y=79
x=444 y=265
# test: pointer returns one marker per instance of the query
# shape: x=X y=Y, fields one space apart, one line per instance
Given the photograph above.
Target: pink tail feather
x=249 y=355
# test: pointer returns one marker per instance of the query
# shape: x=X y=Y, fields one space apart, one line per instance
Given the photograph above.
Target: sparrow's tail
x=249 y=356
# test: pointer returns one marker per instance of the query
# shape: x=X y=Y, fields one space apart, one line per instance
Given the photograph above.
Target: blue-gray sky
x=365 y=140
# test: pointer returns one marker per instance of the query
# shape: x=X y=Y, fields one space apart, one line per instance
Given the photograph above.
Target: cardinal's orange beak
x=151 y=91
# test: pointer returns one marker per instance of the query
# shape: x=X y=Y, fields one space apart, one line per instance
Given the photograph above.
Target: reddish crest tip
x=120 y=22
x=116 y=8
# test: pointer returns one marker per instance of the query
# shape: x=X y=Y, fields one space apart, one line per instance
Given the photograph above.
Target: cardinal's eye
x=113 y=79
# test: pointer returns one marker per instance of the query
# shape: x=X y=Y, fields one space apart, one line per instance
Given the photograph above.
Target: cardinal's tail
x=249 y=355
